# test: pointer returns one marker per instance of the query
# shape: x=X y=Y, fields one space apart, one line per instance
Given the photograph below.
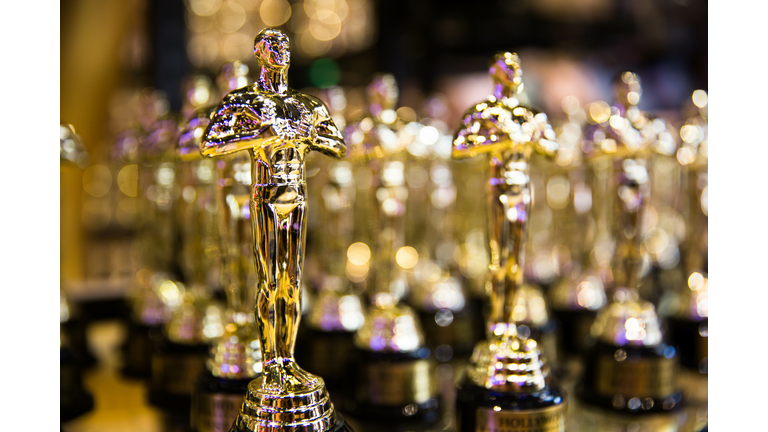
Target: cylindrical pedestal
x=175 y=369
x=138 y=349
x=74 y=399
x=393 y=391
x=481 y=410
x=455 y=330
x=327 y=354
x=630 y=380
x=691 y=340
x=573 y=329
x=216 y=402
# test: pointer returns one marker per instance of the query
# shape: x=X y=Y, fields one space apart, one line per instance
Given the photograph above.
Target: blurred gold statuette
x=509 y=133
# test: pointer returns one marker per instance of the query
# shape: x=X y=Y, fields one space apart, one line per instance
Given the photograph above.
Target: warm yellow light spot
x=358 y=253
x=128 y=180
x=695 y=281
x=97 y=179
x=275 y=12
x=599 y=112
x=388 y=116
x=685 y=156
x=616 y=122
x=689 y=133
x=407 y=257
x=570 y=105
x=633 y=98
x=700 y=98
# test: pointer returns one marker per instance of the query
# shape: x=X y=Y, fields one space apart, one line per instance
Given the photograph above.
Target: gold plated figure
x=510 y=134
x=278 y=126
x=628 y=327
x=509 y=362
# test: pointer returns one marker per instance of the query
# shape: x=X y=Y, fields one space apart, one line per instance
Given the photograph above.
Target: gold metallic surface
x=278 y=126
x=627 y=320
x=550 y=419
x=395 y=384
x=509 y=133
x=393 y=328
x=646 y=378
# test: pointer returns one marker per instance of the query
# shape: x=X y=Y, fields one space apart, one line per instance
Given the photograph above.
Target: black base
x=340 y=426
x=74 y=400
x=691 y=345
x=327 y=354
x=470 y=397
x=137 y=349
x=403 y=417
x=170 y=400
x=75 y=330
x=574 y=329
x=587 y=393
x=461 y=334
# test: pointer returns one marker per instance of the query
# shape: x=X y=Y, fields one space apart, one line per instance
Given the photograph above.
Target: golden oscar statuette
x=394 y=384
x=277 y=126
x=507 y=386
x=630 y=373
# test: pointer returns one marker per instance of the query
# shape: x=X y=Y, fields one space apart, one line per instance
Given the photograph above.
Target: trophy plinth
x=277 y=126
x=507 y=384
x=446 y=318
x=306 y=409
x=74 y=399
x=327 y=343
x=394 y=384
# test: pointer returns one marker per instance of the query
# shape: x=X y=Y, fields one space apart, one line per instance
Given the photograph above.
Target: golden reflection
x=407 y=257
x=599 y=112
x=700 y=98
x=275 y=12
x=97 y=180
x=128 y=180
x=358 y=253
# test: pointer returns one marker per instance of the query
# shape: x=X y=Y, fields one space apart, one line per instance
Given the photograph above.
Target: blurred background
x=111 y=51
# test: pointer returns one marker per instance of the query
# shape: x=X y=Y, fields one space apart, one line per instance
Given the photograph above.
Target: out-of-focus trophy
x=685 y=307
x=180 y=354
x=326 y=341
x=394 y=385
x=630 y=373
x=437 y=292
x=74 y=399
x=507 y=385
x=155 y=293
x=579 y=294
x=278 y=126
x=235 y=358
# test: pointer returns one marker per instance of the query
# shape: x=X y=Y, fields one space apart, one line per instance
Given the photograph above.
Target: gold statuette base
x=307 y=411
